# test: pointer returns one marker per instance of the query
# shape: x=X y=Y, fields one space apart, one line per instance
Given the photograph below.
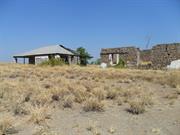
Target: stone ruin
x=163 y=54
x=111 y=56
x=158 y=57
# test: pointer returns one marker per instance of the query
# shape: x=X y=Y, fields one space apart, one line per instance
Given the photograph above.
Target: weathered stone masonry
x=160 y=55
x=145 y=55
x=163 y=54
x=129 y=54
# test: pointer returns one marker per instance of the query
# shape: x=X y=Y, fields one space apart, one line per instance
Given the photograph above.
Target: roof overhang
x=49 y=50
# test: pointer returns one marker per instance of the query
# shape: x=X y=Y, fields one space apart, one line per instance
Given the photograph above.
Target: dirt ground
x=160 y=117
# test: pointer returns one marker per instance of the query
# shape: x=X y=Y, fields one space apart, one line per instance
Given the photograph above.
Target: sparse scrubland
x=72 y=100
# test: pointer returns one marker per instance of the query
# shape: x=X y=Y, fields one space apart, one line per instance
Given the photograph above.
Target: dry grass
x=44 y=131
x=39 y=114
x=93 y=104
x=99 y=93
x=68 y=101
x=136 y=107
x=172 y=96
x=91 y=88
x=147 y=100
x=112 y=94
x=6 y=125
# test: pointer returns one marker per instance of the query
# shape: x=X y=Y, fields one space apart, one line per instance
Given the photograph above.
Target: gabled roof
x=74 y=52
x=55 y=49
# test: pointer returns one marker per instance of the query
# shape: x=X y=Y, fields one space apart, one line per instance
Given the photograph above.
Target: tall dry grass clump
x=111 y=94
x=173 y=79
x=68 y=101
x=7 y=125
x=147 y=99
x=99 y=93
x=136 y=107
x=93 y=104
x=39 y=114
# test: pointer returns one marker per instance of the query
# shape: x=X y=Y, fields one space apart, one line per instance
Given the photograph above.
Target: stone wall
x=163 y=54
x=145 y=55
x=159 y=56
x=129 y=54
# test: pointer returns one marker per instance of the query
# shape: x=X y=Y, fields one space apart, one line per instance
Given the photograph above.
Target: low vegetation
x=6 y=125
x=53 y=62
x=33 y=93
x=121 y=64
x=39 y=114
x=136 y=107
x=93 y=104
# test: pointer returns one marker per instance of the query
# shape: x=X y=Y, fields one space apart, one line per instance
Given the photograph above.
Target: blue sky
x=93 y=24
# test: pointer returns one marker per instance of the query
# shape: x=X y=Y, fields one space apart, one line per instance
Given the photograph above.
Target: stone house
x=111 y=56
x=159 y=56
x=56 y=51
x=163 y=54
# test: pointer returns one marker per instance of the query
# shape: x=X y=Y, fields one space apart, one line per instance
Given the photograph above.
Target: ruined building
x=163 y=54
x=111 y=56
x=159 y=56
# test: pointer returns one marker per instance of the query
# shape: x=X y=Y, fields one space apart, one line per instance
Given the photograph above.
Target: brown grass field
x=73 y=100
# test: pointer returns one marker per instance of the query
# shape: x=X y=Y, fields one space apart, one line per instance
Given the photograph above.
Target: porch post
x=32 y=60
x=24 y=61
x=69 y=59
x=16 y=60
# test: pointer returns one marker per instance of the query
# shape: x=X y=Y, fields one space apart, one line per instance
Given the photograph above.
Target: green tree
x=96 y=62
x=84 y=56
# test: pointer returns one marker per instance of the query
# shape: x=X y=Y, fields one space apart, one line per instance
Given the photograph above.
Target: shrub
x=111 y=94
x=93 y=104
x=147 y=100
x=55 y=97
x=119 y=101
x=53 y=62
x=6 y=125
x=39 y=114
x=173 y=79
x=136 y=107
x=99 y=93
x=68 y=101
x=80 y=95
x=21 y=109
x=121 y=64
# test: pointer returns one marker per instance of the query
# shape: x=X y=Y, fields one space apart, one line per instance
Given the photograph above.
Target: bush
x=119 y=101
x=99 y=93
x=173 y=79
x=121 y=64
x=39 y=114
x=136 y=107
x=53 y=62
x=147 y=100
x=112 y=94
x=68 y=101
x=93 y=104
x=6 y=125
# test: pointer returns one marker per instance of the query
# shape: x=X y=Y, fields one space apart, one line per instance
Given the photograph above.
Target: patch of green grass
x=121 y=64
x=53 y=62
